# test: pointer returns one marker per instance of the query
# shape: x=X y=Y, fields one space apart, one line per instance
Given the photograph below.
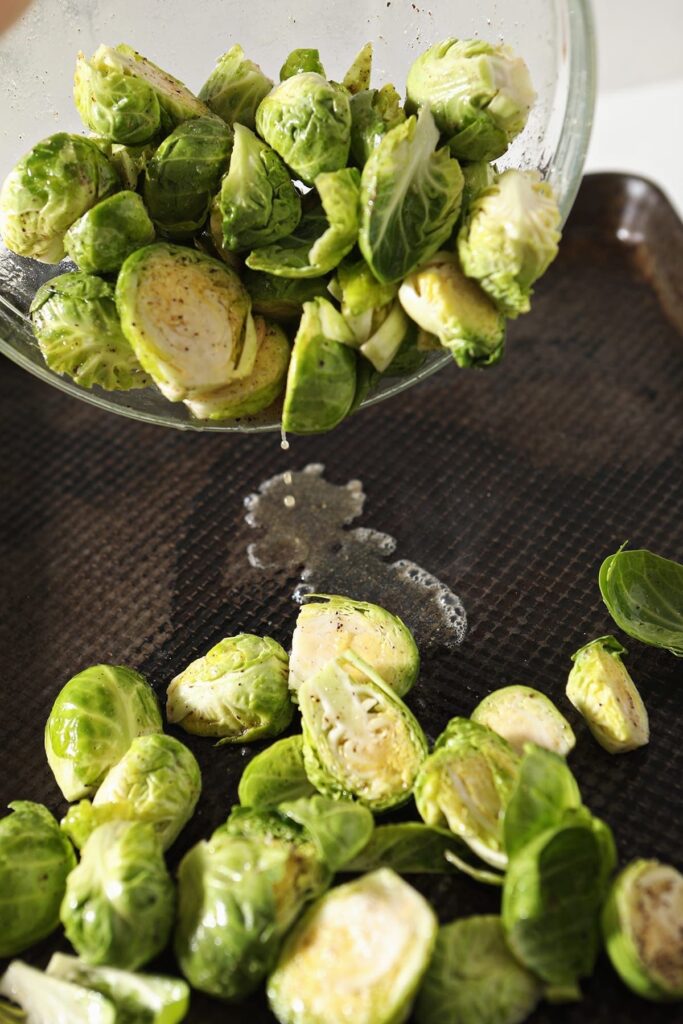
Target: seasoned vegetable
x=477 y=176
x=301 y=60
x=600 y=687
x=357 y=78
x=237 y=691
x=130 y=161
x=522 y=715
x=103 y=237
x=282 y=298
x=93 y=722
x=644 y=595
x=374 y=112
x=235 y=88
x=545 y=789
x=275 y=775
x=49 y=1000
x=357 y=956
x=35 y=858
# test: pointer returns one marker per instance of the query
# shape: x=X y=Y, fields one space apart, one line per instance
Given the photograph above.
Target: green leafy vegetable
x=409 y=847
x=103 y=237
x=600 y=687
x=48 y=1000
x=545 y=789
x=300 y=61
x=374 y=112
x=339 y=828
x=275 y=775
x=235 y=88
x=282 y=298
x=644 y=595
x=357 y=78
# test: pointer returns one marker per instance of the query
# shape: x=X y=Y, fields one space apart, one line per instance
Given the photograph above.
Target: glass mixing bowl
x=37 y=55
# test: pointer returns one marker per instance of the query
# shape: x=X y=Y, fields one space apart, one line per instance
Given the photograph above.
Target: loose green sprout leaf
x=522 y=715
x=237 y=691
x=358 y=955
x=340 y=829
x=301 y=61
x=473 y=978
x=509 y=238
x=235 y=88
x=130 y=162
x=409 y=848
x=409 y=198
x=409 y=358
x=267 y=825
x=386 y=338
x=328 y=625
x=644 y=595
x=366 y=379
x=119 y=902
x=77 y=327
x=545 y=790
x=184 y=174
x=359 y=291
x=478 y=874
x=374 y=112
x=11 y=1014
x=641 y=924
x=478 y=93
x=360 y=740
x=282 y=298
x=601 y=689
x=477 y=177
x=93 y=722
x=50 y=188
x=47 y=1000
x=357 y=78
x=103 y=237
x=275 y=775
x=137 y=998
x=35 y=859
x=307 y=120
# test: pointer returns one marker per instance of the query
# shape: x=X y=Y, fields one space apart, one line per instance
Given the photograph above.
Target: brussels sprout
x=119 y=902
x=130 y=162
x=641 y=924
x=366 y=379
x=409 y=198
x=235 y=88
x=465 y=785
x=275 y=775
x=187 y=317
x=77 y=327
x=258 y=390
x=321 y=381
x=49 y=1000
x=360 y=294
x=442 y=301
x=257 y=203
x=35 y=858
x=93 y=722
x=138 y=998
x=473 y=978
x=307 y=121
x=642 y=592
x=300 y=61
x=478 y=93
x=326 y=233
x=409 y=357
x=157 y=781
x=103 y=237
x=237 y=691
x=360 y=740
x=601 y=689
x=358 y=955
x=329 y=625
x=374 y=112
x=50 y=188
x=357 y=78
x=11 y=1014
x=522 y=715
x=184 y=174
x=477 y=177
x=410 y=848
x=509 y=238
x=545 y=790
x=125 y=97
x=282 y=298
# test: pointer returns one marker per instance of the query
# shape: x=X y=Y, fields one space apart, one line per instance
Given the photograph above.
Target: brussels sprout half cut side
x=48 y=1000
x=522 y=715
x=235 y=88
x=103 y=237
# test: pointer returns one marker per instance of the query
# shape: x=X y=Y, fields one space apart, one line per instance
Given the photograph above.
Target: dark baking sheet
x=126 y=543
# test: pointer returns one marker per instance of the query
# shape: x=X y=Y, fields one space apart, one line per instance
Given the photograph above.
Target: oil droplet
x=284 y=443
x=289 y=501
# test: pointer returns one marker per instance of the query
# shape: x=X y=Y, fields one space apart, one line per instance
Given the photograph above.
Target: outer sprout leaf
x=357 y=78
x=339 y=828
x=301 y=60
x=275 y=775
x=644 y=595
x=235 y=88
x=545 y=790
x=374 y=112
x=49 y=1000
x=410 y=848
x=103 y=237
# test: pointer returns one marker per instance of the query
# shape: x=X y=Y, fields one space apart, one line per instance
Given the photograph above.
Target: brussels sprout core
x=522 y=715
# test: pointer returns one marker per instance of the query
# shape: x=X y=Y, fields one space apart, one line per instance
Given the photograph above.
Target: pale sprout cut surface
x=522 y=715
x=601 y=689
x=657 y=924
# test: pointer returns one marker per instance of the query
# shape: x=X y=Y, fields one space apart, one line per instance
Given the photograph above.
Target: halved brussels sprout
x=47 y=1000
x=187 y=317
x=357 y=78
x=601 y=689
x=130 y=161
x=374 y=112
x=302 y=60
x=409 y=198
x=184 y=174
x=255 y=392
x=358 y=955
x=641 y=924
x=328 y=625
x=77 y=327
x=321 y=381
x=35 y=859
x=360 y=739
x=509 y=238
x=275 y=775
x=93 y=721
x=465 y=785
x=307 y=120
x=119 y=902
x=479 y=94
x=282 y=298
x=103 y=237
x=442 y=301
x=522 y=715
x=157 y=781
x=237 y=691
x=235 y=88
x=50 y=188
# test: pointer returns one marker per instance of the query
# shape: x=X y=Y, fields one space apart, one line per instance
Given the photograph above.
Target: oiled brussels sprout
x=93 y=722
x=77 y=327
x=237 y=691
x=275 y=775
x=47 y=1000
x=358 y=955
x=545 y=790
x=522 y=715
x=600 y=687
x=372 y=312
x=641 y=924
x=357 y=78
x=329 y=625
x=50 y=188
x=119 y=902
x=374 y=112
x=282 y=298
x=130 y=161
x=307 y=120
x=235 y=88
x=360 y=740
x=303 y=59
x=35 y=859
x=103 y=237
